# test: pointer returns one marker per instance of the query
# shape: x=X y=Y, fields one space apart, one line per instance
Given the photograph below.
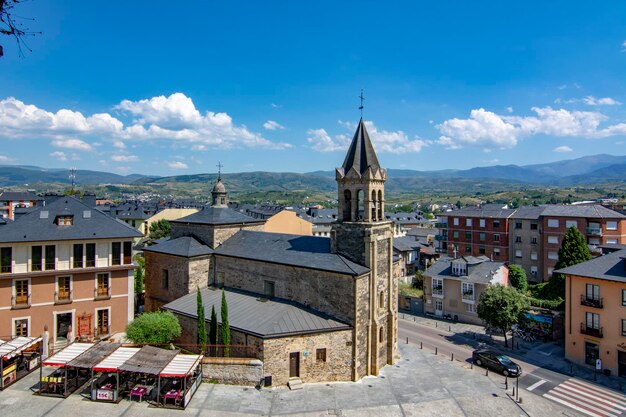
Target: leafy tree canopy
x=517 y=278
x=500 y=307
x=159 y=229
x=158 y=328
x=573 y=251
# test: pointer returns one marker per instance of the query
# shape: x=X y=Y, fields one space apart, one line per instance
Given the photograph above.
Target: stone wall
x=337 y=367
x=328 y=292
x=212 y=235
x=237 y=371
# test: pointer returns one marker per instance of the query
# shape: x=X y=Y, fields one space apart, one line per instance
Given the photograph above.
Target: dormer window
x=64 y=220
x=459 y=269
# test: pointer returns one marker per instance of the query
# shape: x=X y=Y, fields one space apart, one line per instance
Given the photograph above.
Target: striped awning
x=116 y=359
x=181 y=365
x=16 y=346
x=67 y=354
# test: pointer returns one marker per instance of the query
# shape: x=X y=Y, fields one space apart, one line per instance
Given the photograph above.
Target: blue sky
x=168 y=88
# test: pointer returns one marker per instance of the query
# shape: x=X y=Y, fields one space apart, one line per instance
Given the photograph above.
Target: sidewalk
x=550 y=355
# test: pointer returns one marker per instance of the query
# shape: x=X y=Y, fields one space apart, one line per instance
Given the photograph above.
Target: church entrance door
x=294 y=364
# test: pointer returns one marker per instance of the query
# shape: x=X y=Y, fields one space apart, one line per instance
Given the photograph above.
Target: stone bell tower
x=363 y=235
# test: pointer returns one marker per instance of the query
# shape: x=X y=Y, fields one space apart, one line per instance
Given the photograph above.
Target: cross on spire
x=219 y=170
x=361 y=106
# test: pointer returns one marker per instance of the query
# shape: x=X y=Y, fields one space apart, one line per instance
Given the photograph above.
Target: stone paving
x=420 y=384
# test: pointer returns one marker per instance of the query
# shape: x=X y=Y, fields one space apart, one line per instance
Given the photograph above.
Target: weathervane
x=219 y=171
x=361 y=106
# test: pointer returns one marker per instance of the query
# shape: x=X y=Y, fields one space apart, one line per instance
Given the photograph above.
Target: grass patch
x=408 y=290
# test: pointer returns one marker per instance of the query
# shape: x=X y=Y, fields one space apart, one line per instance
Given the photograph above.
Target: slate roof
x=361 y=154
x=303 y=251
x=480 y=269
x=186 y=246
x=406 y=243
x=528 y=213
x=88 y=223
x=611 y=267
x=253 y=315
x=216 y=216
x=497 y=213
x=19 y=196
x=590 y=211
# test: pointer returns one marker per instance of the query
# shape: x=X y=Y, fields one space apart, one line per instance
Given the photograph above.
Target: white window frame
x=468 y=222
x=534 y=271
x=468 y=287
x=611 y=241
x=553 y=222
x=436 y=282
x=470 y=308
x=553 y=255
x=455 y=221
x=14 y=319
x=553 y=240
x=54 y=322
x=570 y=223
x=611 y=225
x=518 y=253
x=482 y=222
x=533 y=256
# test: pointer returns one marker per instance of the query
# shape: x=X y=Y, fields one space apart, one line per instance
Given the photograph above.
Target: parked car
x=497 y=362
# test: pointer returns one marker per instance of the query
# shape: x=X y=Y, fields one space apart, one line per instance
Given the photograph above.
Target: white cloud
x=272 y=125
x=606 y=101
x=275 y=106
x=4 y=158
x=177 y=165
x=624 y=46
x=485 y=128
x=174 y=118
x=509 y=109
x=71 y=144
x=384 y=141
x=562 y=149
x=59 y=155
x=124 y=158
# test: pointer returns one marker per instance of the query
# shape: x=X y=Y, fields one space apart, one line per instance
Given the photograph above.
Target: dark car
x=497 y=362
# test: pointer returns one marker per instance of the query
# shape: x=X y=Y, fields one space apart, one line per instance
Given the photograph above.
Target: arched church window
x=381 y=300
x=347 y=196
x=380 y=205
x=381 y=334
x=373 y=205
x=359 y=205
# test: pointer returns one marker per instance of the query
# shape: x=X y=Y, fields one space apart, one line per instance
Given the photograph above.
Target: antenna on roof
x=219 y=171
x=361 y=106
x=72 y=177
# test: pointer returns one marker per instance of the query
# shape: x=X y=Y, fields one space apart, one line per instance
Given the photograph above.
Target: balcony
x=102 y=293
x=590 y=302
x=20 y=301
x=438 y=292
x=590 y=331
x=63 y=297
x=594 y=231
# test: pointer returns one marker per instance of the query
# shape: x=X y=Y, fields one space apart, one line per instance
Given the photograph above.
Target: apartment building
x=66 y=266
x=12 y=200
x=595 y=316
x=476 y=231
x=536 y=234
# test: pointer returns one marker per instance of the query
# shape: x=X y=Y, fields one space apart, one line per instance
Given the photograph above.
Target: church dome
x=219 y=187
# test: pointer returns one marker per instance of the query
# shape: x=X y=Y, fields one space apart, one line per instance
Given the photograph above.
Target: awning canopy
x=16 y=346
x=149 y=360
x=181 y=365
x=115 y=359
x=67 y=354
x=94 y=355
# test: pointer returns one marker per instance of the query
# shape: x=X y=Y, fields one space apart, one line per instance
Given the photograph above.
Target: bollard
x=435 y=350
x=421 y=346
x=486 y=372
x=506 y=383
x=451 y=357
x=449 y=328
x=513 y=392
x=436 y=325
x=407 y=340
x=472 y=365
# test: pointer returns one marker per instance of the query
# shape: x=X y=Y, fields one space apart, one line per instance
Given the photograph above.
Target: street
x=584 y=397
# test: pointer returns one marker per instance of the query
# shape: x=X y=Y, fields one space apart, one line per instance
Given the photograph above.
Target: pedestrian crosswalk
x=587 y=398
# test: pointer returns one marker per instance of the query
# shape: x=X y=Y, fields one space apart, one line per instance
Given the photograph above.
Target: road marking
x=575 y=395
x=536 y=384
x=592 y=395
x=597 y=389
x=572 y=406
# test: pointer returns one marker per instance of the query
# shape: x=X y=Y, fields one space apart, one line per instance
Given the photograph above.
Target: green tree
x=158 y=328
x=517 y=278
x=139 y=274
x=159 y=229
x=202 y=336
x=225 y=328
x=213 y=327
x=500 y=307
x=573 y=251
x=418 y=281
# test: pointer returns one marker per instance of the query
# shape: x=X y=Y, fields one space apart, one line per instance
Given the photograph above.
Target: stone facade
x=211 y=235
x=184 y=275
x=236 y=371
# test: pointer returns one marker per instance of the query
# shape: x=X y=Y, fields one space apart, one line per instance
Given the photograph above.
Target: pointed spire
x=361 y=154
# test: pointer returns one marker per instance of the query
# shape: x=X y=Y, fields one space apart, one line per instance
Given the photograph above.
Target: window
x=571 y=223
x=21 y=297
x=116 y=253
x=102 y=321
x=320 y=355
x=50 y=257
x=468 y=222
x=470 y=308
x=437 y=286
x=381 y=300
x=611 y=225
x=533 y=271
x=518 y=225
x=481 y=250
x=77 y=255
x=594 y=241
x=592 y=321
x=36 y=258
x=455 y=221
x=553 y=222
x=102 y=285
x=623 y=327
x=533 y=256
x=481 y=222
x=20 y=327
x=553 y=255
x=90 y=255
x=438 y=305
x=165 y=280
x=624 y=297
x=496 y=224
x=128 y=252
x=468 y=249
x=6 y=259
x=64 y=220
x=496 y=253
x=481 y=236
x=533 y=240
x=268 y=289
x=553 y=240
x=455 y=234
x=518 y=253
x=381 y=334
x=518 y=239
x=467 y=291
x=592 y=292
x=534 y=225
x=468 y=235
x=496 y=238
x=611 y=241
x=64 y=289
x=459 y=268
x=550 y=270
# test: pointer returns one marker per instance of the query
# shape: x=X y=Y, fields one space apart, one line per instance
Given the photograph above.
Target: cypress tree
x=225 y=328
x=201 y=323
x=213 y=330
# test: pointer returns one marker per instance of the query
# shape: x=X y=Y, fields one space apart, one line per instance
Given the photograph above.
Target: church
x=315 y=309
